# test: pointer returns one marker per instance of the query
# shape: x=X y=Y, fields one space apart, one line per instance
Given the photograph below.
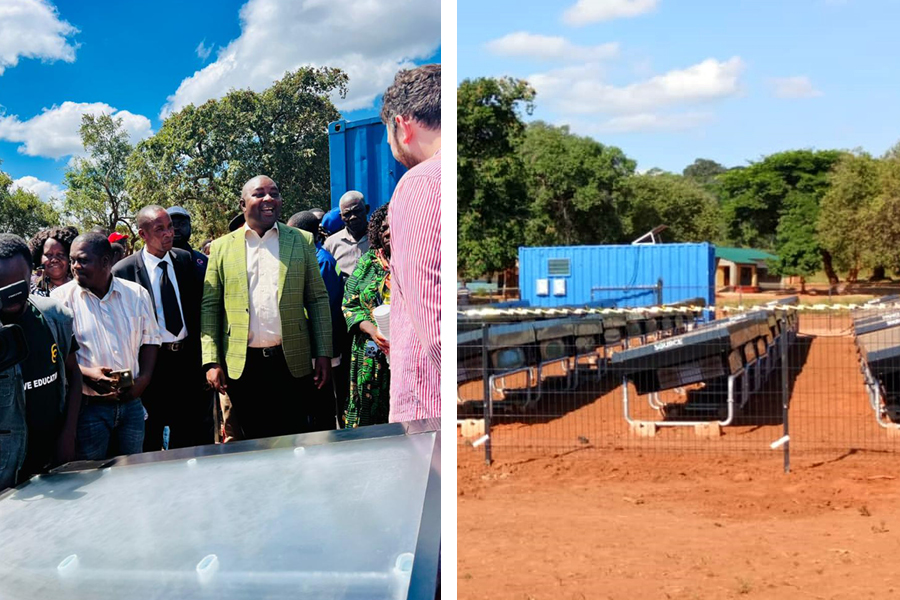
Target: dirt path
x=625 y=525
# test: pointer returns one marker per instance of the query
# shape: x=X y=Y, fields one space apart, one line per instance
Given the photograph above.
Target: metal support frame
x=730 y=404
x=530 y=395
x=876 y=398
x=571 y=373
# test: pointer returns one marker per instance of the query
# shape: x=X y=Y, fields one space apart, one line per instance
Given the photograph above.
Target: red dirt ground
x=676 y=516
x=627 y=525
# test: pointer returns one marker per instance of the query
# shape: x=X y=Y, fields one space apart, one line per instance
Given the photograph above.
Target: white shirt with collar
x=155 y=273
x=110 y=330
x=263 y=262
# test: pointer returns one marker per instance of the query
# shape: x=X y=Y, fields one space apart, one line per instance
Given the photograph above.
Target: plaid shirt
x=415 y=218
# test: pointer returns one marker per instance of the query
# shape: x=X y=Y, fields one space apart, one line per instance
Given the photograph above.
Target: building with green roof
x=744 y=270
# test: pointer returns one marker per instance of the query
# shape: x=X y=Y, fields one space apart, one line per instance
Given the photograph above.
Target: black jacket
x=190 y=286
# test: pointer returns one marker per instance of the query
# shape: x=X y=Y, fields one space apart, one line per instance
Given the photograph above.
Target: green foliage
x=96 y=192
x=704 y=171
x=884 y=235
x=754 y=197
x=797 y=245
x=202 y=155
x=691 y=212
x=492 y=201
x=575 y=185
x=848 y=217
x=22 y=212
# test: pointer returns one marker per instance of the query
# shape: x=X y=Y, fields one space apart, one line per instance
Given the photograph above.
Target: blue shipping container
x=361 y=160
x=620 y=276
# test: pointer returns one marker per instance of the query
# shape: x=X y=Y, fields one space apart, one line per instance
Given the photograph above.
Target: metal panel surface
x=361 y=160
x=288 y=517
x=687 y=271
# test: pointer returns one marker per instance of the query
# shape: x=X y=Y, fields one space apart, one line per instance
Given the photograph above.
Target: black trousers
x=177 y=397
x=268 y=401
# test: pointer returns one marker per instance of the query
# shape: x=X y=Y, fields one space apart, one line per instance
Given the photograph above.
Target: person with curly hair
x=50 y=253
x=368 y=287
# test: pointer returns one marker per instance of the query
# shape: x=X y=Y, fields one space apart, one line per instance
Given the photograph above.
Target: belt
x=269 y=352
x=88 y=400
x=172 y=346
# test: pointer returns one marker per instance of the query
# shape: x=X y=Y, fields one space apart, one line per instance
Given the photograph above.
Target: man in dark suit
x=176 y=396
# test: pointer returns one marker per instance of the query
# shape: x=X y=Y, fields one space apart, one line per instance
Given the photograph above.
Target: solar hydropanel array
x=681 y=378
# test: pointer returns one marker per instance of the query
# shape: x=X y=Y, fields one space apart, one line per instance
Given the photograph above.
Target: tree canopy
x=690 y=211
x=492 y=197
x=22 y=212
x=202 y=155
x=575 y=187
x=96 y=193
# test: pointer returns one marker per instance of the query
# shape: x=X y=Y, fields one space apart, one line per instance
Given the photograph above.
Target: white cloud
x=33 y=29
x=652 y=122
x=203 y=51
x=584 y=12
x=545 y=47
x=581 y=90
x=43 y=189
x=794 y=87
x=369 y=40
x=54 y=132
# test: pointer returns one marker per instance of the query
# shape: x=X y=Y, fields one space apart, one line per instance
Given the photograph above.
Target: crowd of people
x=147 y=344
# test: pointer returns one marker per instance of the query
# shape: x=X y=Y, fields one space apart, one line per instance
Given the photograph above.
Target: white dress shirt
x=155 y=274
x=262 y=280
x=110 y=330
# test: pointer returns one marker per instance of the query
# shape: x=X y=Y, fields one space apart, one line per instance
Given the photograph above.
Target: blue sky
x=670 y=81
x=141 y=61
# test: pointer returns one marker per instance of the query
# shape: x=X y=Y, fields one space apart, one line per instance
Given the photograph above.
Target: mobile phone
x=123 y=378
x=14 y=293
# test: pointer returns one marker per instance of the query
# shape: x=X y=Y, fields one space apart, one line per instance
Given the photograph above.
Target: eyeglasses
x=59 y=257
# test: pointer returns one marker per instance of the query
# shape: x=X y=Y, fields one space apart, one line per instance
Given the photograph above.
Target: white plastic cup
x=382 y=316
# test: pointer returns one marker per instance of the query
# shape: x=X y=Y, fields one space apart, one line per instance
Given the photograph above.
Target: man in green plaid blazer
x=265 y=320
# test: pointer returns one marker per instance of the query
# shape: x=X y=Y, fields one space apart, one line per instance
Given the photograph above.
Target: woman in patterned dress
x=369 y=286
x=50 y=253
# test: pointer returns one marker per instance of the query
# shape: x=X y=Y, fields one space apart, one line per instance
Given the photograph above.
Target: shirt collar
x=114 y=288
x=347 y=237
x=249 y=231
x=152 y=262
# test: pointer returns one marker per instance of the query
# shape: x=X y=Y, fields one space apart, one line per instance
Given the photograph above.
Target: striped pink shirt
x=415 y=218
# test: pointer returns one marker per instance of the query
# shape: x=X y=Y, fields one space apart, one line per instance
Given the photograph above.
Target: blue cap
x=332 y=222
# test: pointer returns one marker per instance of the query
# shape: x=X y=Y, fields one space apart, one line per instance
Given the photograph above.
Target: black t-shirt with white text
x=44 y=414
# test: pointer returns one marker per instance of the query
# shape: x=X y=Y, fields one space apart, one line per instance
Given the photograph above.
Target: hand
x=322 y=374
x=382 y=342
x=97 y=378
x=136 y=390
x=215 y=378
x=370 y=329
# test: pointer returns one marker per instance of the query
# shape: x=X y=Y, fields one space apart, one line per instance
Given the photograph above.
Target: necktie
x=169 y=301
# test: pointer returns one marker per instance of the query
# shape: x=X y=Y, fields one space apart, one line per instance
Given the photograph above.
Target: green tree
x=884 y=235
x=848 y=216
x=22 y=212
x=690 y=211
x=755 y=198
x=704 y=171
x=202 y=155
x=796 y=242
x=575 y=185
x=96 y=192
x=492 y=204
